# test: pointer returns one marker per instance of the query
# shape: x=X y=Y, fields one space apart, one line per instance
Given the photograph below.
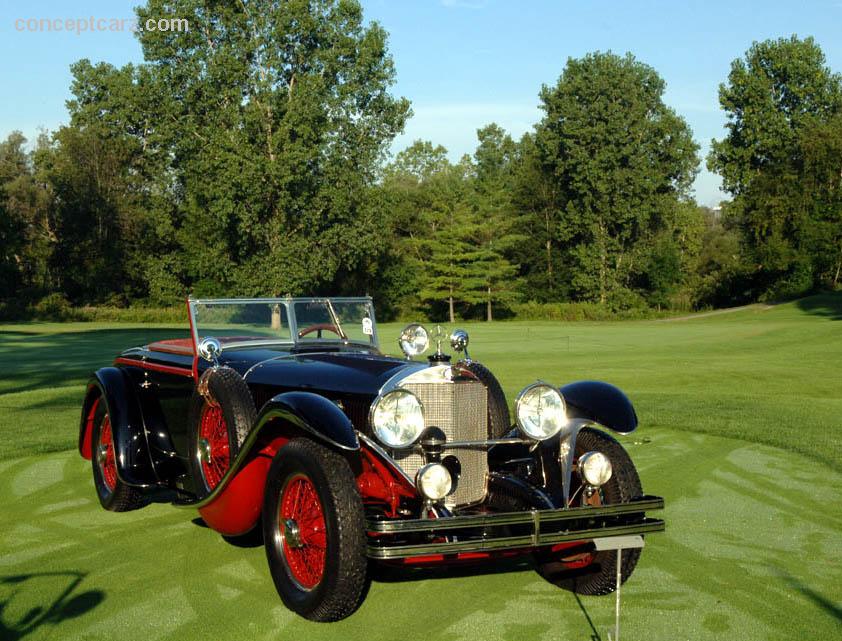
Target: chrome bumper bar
x=474 y=533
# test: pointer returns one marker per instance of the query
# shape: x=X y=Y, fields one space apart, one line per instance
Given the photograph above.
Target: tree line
x=250 y=157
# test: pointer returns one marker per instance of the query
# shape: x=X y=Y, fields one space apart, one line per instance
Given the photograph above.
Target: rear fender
x=111 y=386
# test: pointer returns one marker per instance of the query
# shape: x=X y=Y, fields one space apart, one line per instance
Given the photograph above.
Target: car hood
x=336 y=373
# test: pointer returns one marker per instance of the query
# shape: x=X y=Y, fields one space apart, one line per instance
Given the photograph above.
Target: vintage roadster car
x=284 y=415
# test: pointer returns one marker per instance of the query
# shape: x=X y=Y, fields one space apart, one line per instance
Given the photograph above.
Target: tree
x=498 y=231
x=780 y=92
x=622 y=160
x=260 y=132
x=26 y=227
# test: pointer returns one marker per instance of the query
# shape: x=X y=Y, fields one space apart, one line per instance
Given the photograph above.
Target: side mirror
x=210 y=349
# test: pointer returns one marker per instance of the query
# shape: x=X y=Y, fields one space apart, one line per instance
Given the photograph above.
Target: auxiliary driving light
x=595 y=468
x=434 y=481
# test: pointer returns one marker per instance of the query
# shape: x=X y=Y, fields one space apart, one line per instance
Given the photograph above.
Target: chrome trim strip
x=512 y=542
x=643 y=504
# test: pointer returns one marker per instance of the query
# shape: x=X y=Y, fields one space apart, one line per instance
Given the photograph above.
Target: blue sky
x=464 y=63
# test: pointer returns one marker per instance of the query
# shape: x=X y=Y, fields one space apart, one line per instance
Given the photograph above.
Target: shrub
x=53 y=307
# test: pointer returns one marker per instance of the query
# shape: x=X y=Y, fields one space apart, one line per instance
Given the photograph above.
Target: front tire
x=314 y=532
x=113 y=494
x=577 y=568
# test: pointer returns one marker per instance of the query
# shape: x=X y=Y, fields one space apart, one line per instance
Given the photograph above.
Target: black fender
x=113 y=387
x=313 y=414
x=602 y=403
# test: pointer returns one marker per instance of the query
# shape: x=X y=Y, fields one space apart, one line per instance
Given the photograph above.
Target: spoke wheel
x=105 y=455
x=113 y=494
x=314 y=531
x=219 y=419
x=214 y=447
x=302 y=530
x=578 y=568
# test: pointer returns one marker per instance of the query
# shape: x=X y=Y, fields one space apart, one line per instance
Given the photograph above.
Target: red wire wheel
x=105 y=456
x=214 y=454
x=302 y=523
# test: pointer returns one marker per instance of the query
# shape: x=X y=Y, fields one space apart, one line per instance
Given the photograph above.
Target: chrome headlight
x=414 y=340
x=397 y=418
x=540 y=411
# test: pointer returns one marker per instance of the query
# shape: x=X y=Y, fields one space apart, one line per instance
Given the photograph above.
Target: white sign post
x=618 y=543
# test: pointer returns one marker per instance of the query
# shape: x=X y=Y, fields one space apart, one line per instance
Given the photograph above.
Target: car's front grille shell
x=460 y=410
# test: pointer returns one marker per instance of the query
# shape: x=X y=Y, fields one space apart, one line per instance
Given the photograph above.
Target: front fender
x=233 y=507
x=111 y=386
x=601 y=403
x=314 y=414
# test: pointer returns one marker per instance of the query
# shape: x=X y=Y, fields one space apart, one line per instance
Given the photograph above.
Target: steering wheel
x=318 y=328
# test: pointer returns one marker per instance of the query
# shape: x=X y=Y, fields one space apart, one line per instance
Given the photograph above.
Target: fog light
x=595 y=468
x=434 y=481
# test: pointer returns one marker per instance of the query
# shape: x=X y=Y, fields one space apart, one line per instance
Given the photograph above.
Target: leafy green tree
x=821 y=146
x=780 y=92
x=536 y=196
x=26 y=226
x=622 y=160
x=498 y=231
x=261 y=131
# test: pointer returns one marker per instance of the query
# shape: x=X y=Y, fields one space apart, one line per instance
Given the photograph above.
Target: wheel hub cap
x=204 y=450
x=292 y=535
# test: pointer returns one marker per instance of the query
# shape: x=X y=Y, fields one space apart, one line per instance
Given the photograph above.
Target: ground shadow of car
x=19 y=619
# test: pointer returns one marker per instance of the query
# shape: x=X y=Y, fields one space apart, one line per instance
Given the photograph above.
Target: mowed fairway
x=740 y=432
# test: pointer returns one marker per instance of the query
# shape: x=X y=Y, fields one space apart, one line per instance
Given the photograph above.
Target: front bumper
x=400 y=539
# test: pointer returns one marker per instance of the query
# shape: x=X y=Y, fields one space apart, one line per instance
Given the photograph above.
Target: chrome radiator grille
x=460 y=409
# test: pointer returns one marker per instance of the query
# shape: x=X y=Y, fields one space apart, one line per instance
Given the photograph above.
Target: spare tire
x=499 y=422
x=219 y=423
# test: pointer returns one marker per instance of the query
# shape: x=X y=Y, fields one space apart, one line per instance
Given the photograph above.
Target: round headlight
x=414 y=340
x=397 y=418
x=595 y=468
x=434 y=481
x=540 y=411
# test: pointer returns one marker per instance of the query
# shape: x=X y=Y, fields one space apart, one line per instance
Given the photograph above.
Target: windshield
x=270 y=321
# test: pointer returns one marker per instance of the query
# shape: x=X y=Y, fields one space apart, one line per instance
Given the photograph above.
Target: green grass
x=739 y=431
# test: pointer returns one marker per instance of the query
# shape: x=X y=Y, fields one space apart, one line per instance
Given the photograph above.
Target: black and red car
x=283 y=414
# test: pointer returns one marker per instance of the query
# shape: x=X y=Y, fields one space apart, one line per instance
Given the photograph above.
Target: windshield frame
x=289 y=304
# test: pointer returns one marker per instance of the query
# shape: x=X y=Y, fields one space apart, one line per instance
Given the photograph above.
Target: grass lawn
x=739 y=431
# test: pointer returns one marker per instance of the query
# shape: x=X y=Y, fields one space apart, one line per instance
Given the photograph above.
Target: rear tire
x=218 y=428
x=314 y=532
x=113 y=494
x=595 y=573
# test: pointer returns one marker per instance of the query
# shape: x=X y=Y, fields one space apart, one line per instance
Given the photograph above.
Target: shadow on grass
x=818 y=599
x=40 y=360
x=19 y=617
x=828 y=305
x=395 y=573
